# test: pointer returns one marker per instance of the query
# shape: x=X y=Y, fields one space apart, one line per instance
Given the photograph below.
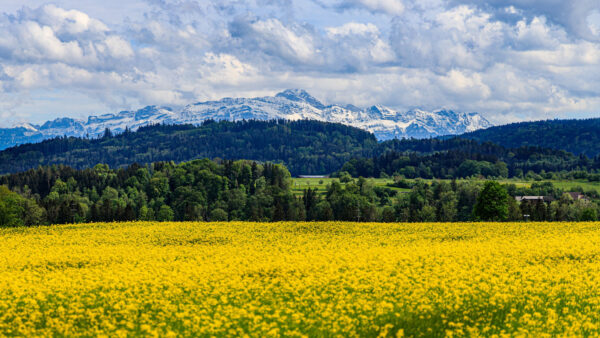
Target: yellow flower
x=300 y=279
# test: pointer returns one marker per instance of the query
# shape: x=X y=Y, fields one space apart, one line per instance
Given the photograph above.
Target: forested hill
x=305 y=147
x=575 y=136
x=461 y=158
x=310 y=147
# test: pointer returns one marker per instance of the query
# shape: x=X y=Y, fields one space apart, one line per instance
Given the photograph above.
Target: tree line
x=205 y=190
x=466 y=201
x=200 y=190
x=462 y=158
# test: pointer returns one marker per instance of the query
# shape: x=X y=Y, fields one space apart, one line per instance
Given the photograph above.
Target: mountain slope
x=292 y=105
x=461 y=158
x=306 y=147
x=575 y=136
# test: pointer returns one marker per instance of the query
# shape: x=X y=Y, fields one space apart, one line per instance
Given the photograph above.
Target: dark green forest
x=204 y=190
x=575 y=136
x=305 y=147
x=462 y=158
x=197 y=190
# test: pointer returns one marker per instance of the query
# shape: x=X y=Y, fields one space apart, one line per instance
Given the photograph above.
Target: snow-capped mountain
x=293 y=104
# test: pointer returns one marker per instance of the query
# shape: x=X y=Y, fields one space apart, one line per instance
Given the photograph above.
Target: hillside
x=306 y=147
x=575 y=136
x=460 y=158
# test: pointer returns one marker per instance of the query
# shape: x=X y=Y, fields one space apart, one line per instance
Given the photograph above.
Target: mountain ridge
x=578 y=136
x=290 y=104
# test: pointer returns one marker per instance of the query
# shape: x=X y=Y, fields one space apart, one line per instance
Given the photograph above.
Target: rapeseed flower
x=301 y=279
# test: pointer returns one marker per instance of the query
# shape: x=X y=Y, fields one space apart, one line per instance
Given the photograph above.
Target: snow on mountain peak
x=291 y=104
x=26 y=126
x=301 y=95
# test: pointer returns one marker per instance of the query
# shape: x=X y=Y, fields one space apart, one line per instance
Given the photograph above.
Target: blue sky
x=509 y=60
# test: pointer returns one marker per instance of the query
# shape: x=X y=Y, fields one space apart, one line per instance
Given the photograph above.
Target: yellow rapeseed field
x=301 y=279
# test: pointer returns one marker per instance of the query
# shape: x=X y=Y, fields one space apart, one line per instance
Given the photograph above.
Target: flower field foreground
x=301 y=279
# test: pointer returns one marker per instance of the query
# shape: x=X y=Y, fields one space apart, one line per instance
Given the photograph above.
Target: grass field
x=300 y=279
x=300 y=184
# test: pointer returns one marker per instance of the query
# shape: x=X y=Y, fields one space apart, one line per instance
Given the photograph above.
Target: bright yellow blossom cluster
x=301 y=279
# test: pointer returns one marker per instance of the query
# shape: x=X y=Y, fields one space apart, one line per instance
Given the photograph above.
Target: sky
x=509 y=60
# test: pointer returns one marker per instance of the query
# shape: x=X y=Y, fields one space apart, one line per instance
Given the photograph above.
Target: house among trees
x=547 y=199
x=577 y=196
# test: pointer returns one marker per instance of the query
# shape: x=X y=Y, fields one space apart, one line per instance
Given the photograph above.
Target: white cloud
x=506 y=59
x=593 y=21
x=39 y=42
x=460 y=37
x=118 y=48
x=359 y=45
x=392 y=7
x=279 y=38
x=51 y=34
x=568 y=14
x=353 y=28
x=537 y=34
x=469 y=86
x=270 y=38
x=227 y=69
x=71 y=22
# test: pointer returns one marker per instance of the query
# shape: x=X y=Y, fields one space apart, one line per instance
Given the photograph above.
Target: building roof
x=577 y=196
x=534 y=198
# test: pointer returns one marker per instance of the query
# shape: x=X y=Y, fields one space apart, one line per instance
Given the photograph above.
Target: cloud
x=506 y=59
x=392 y=7
x=117 y=47
x=467 y=85
x=459 y=37
x=67 y=23
x=593 y=22
x=225 y=69
x=50 y=34
x=568 y=14
x=290 y=43
x=359 y=45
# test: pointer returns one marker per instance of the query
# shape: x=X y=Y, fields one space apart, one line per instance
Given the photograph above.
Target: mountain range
x=291 y=104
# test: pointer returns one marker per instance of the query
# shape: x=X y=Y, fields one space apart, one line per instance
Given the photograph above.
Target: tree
x=514 y=211
x=323 y=211
x=165 y=214
x=310 y=199
x=447 y=206
x=11 y=208
x=146 y=214
x=218 y=215
x=427 y=214
x=345 y=177
x=492 y=203
x=589 y=215
x=388 y=214
x=467 y=197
